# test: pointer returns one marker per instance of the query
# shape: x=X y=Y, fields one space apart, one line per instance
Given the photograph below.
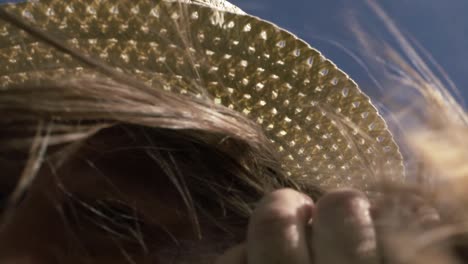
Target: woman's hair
x=218 y=160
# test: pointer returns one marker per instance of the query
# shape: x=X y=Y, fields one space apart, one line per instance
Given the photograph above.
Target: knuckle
x=346 y=199
x=274 y=216
x=280 y=209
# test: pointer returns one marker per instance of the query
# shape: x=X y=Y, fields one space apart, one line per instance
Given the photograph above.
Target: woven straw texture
x=325 y=129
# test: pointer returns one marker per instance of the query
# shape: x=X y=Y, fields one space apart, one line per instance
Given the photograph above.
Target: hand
x=287 y=227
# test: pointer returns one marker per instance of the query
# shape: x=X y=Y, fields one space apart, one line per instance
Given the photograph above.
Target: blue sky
x=441 y=27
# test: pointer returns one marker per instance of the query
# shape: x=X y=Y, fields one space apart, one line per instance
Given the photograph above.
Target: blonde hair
x=49 y=120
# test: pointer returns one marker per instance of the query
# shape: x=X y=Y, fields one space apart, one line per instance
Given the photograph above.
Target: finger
x=235 y=255
x=343 y=229
x=277 y=230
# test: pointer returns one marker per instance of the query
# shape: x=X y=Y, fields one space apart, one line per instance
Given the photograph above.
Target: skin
x=52 y=226
x=287 y=227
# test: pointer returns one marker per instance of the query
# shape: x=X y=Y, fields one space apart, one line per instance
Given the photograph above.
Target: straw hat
x=325 y=129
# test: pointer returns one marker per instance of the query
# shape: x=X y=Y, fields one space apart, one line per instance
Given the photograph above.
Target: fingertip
x=343 y=228
x=278 y=228
x=281 y=208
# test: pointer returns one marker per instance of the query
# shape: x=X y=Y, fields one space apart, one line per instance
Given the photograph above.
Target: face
x=113 y=201
x=110 y=202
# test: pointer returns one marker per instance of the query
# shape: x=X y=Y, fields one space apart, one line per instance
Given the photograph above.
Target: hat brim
x=325 y=129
